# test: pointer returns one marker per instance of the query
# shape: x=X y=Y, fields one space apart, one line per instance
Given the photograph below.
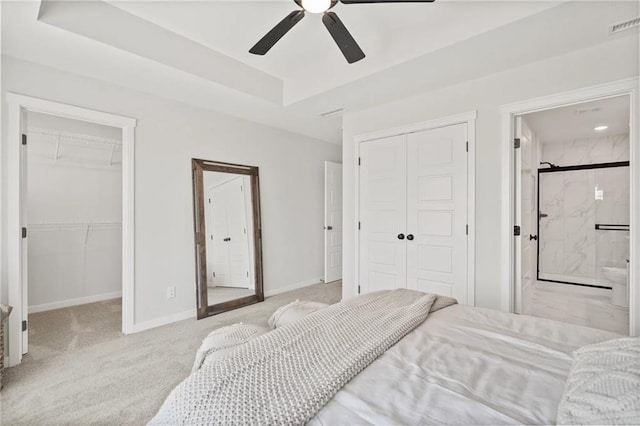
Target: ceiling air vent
x=333 y=113
x=627 y=25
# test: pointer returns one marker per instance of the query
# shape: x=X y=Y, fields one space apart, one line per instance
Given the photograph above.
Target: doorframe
x=17 y=104
x=468 y=118
x=627 y=87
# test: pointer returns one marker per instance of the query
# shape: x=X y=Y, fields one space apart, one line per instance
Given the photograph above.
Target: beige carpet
x=92 y=374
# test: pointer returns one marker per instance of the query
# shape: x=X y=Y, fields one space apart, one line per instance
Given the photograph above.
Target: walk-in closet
x=74 y=234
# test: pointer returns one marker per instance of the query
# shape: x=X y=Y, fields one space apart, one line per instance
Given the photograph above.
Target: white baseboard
x=158 y=322
x=74 y=302
x=293 y=287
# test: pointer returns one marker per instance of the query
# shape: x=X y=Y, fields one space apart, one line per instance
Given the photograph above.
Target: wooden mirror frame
x=198 y=168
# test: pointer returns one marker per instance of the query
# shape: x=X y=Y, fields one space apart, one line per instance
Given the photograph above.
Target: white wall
x=74 y=208
x=602 y=63
x=168 y=135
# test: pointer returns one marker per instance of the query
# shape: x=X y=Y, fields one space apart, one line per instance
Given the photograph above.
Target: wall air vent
x=627 y=25
x=335 y=112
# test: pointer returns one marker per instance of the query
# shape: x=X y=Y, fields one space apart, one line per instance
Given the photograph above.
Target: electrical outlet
x=171 y=292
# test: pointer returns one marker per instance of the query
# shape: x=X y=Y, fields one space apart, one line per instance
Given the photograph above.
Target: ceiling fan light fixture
x=316 y=6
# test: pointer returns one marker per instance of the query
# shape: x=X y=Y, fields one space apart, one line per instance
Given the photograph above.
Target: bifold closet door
x=382 y=234
x=437 y=211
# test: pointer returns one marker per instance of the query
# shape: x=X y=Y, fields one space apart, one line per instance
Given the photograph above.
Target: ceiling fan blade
x=277 y=32
x=343 y=39
x=384 y=1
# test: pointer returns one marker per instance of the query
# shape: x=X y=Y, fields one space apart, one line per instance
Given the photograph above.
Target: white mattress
x=465 y=365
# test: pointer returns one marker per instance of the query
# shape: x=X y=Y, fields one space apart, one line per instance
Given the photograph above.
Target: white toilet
x=619 y=280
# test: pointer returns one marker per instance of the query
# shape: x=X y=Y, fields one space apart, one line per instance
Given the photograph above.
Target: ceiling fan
x=338 y=31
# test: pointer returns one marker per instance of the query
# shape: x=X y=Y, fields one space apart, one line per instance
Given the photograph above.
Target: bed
x=460 y=365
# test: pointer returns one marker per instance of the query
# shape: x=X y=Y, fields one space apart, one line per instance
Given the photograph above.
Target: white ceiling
x=306 y=58
x=197 y=52
x=561 y=125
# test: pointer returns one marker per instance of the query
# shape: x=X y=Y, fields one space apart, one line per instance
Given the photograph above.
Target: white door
x=332 y=221
x=437 y=211
x=383 y=218
x=238 y=241
x=25 y=240
x=218 y=254
x=517 y=218
x=230 y=260
x=526 y=209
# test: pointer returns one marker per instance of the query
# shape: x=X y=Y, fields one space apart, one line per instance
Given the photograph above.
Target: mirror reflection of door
x=228 y=230
x=227 y=221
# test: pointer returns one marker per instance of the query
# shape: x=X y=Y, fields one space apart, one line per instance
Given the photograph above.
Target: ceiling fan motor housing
x=333 y=3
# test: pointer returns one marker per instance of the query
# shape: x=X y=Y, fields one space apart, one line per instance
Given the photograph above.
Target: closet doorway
x=70 y=221
x=73 y=194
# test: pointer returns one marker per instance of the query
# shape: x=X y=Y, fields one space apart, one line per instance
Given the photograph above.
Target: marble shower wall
x=571 y=249
x=587 y=151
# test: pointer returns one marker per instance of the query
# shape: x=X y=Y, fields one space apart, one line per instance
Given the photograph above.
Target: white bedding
x=465 y=365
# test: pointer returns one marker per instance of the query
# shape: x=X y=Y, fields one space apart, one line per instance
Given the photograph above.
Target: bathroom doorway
x=573 y=213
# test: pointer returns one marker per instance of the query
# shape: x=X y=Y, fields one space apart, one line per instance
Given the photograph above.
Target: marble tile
x=553 y=153
x=600 y=150
x=552 y=257
x=577 y=152
x=620 y=148
x=575 y=265
x=576 y=305
x=621 y=214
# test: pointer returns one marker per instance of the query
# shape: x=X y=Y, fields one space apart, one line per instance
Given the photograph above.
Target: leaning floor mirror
x=228 y=237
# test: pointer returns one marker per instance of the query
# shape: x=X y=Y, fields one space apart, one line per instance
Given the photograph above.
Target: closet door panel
x=382 y=214
x=437 y=211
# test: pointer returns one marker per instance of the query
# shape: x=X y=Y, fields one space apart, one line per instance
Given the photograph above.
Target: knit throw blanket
x=287 y=375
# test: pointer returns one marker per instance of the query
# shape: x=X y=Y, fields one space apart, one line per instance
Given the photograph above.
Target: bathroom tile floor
x=589 y=307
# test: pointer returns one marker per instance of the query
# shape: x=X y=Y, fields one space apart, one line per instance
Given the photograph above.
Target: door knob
x=410 y=237
x=533 y=237
x=401 y=236
x=329 y=228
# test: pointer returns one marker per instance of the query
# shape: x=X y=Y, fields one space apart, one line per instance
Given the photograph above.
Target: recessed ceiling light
x=600 y=128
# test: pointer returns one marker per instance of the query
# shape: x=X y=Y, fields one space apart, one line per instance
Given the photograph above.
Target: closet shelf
x=73 y=225
x=106 y=147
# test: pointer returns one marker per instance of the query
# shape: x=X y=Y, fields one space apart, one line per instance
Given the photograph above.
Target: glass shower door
x=573 y=204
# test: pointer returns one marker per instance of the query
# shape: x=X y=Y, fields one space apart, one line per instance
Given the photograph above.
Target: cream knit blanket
x=287 y=375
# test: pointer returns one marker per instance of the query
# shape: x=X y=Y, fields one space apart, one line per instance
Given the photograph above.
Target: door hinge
x=516 y=231
x=358 y=226
x=467 y=229
x=24 y=139
x=467 y=146
x=24 y=325
x=359 y=161
x=358 y=289
x=24 y=232
x=516 y=143
x=209 y=200
x=214 y=275
x=247 y=274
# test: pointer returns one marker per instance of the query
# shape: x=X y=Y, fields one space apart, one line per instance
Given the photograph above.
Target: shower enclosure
x=583 y=222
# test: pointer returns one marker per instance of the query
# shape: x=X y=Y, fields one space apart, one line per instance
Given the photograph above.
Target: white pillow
x=293 y=312
x=603 y=386
x=225 y=340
